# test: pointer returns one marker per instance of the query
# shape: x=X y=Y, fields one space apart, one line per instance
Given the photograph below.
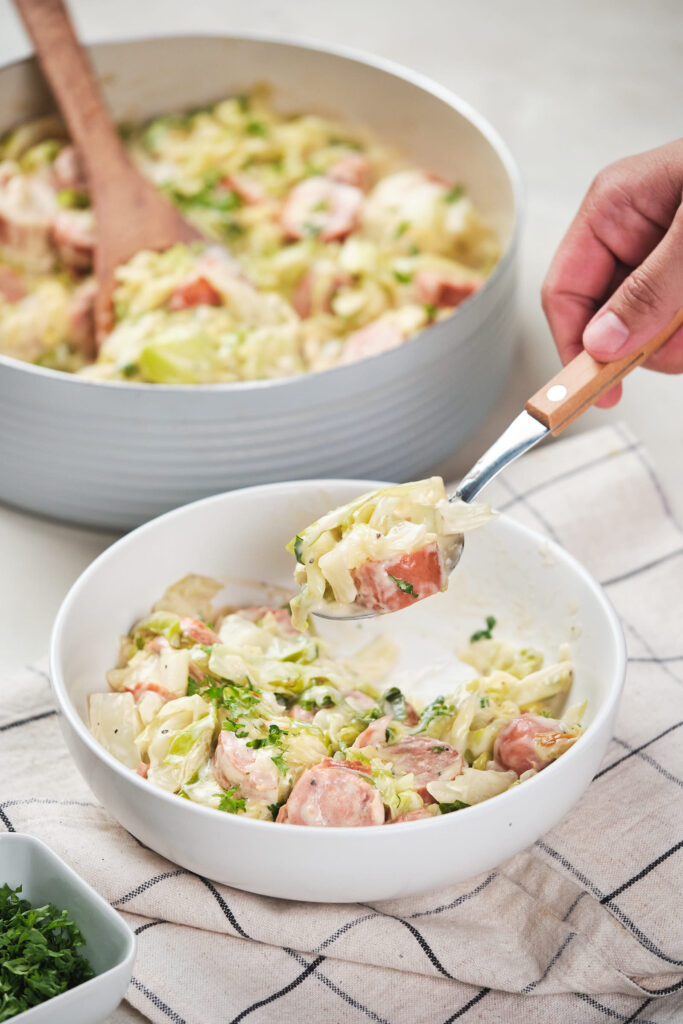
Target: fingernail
x=607 y=335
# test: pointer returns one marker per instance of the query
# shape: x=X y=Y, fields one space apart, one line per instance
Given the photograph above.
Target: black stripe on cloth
x=43 y=801
x=419 y=938
x=664 y=772
x=160 y=1005
x=664 y=991
x=468 y=1006
x=342 y=931
x=636 y=750
x=593 y=890
x=150 y=924
x=523 y=500
x=574 y=903
x=319 y=976
x=641 y=874
x=39 y=672
x=567 y=473
x=27 y=721
x=660 y=661
x=144 y=886
x=662 y=560
x=282 y=992
x=5 y=820
x=456 y=902
x=634 y=1016
x=224 y=906
x=612 y=1013
x=650 y=650
x=528 y=989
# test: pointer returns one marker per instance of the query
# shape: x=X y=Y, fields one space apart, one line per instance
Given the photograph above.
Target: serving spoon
x=131 y=214
x=554 y=406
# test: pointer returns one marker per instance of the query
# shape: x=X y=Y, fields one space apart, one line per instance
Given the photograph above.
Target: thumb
x=644 y=304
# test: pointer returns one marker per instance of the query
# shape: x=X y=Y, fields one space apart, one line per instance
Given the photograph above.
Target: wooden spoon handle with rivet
x=582 y=381
x=131 y=214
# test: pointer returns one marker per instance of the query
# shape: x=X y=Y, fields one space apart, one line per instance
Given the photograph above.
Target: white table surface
x=572 y=86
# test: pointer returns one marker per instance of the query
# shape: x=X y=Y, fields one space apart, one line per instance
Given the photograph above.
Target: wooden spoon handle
x=579 y=385
x=72 y=80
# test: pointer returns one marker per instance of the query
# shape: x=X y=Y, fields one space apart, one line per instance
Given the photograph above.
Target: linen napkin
x=584 y=926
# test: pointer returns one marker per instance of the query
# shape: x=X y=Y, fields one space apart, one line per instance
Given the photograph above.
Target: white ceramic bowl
x=540 y=595
x=113 y=454
x=109 y=943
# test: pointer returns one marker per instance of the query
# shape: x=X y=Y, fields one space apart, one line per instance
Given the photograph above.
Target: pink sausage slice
x=12 y=287
x=198 y=631
x=353 y=170
x=524 y=743
x=334 y=794
x=234 y=764
x=444 y=291
x=426 y=758
x=321 y=208
x=420 y=574
x=372 y=340
x=376 y=732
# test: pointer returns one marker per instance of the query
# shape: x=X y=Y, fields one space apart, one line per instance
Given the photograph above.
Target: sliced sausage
x=417 y=815
x=138 y=689
x=353 y=170
x=282 y=616
x=419 y=575
x=525 y=743
x=334 y=794
x=320 y=208
x=12 y=287
x=358 y=700
x=197 y=292
x=300 y=714
x=73 y=233
x=372 y=340
x=376 y=732
x=250 y=192
x=142 y=769
x=198 y=631
x=236 y=764
x=426 y=758
x=445 y=291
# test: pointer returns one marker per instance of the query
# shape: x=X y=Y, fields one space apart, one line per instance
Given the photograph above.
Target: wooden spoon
x=131 y=214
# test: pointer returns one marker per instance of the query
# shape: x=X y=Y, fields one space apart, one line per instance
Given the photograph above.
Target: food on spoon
x=341 y=252
x=237 y=710
x=382 y=552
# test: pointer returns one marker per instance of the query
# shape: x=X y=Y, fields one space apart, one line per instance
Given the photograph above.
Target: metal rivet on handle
x=556 y=393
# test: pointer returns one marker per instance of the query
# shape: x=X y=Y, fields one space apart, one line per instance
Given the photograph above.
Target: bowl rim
x=112 y=921
x=555 y=551
x=359 y=56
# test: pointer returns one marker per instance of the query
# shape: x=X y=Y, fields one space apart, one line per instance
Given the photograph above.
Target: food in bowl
x=41 y=958
x=382 y=552
x=338 y=250
x=238 y=710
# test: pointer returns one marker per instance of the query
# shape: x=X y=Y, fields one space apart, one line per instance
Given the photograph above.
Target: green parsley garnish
x=38 y=953
x=484 y=634
x=273 y=737
x=282 y=765
x=298 y=543
x=257 y=128
x=457 y=805
x=394 y=703
x=484 y=702
x=72 y=199
x=243 y=103
x=455 y=193
x=274 y=808
x=403 y=585
x=402 y=228
x=231 y=803
x=438 y=750
x=403 y=277
x=430 y=309
x=129 y=370
x=437 y=708
x=545 y=714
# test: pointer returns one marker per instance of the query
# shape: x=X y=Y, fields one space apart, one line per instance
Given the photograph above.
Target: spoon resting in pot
x=131 y=214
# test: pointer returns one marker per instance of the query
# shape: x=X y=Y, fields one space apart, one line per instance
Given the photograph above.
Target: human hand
x=617 y=277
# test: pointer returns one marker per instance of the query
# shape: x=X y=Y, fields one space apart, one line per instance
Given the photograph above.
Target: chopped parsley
x=403 y=276
x=282 y=765
x=243 y=103
x=438 y=750
x=129 y=370
x=484 y=702
x=484 y=634
x=436 y=709
x=457 y=805
x=394 y=703
x=274 y=808
x=39 y=955
x=231 y=803
x=402 y=228
x=273 y=737
x=455 y=193
x=403 y=585
x=298 y=544
x=257 y=128
x=430 y=309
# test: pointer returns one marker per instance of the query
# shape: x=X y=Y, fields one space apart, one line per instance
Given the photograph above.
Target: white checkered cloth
x=585 y=926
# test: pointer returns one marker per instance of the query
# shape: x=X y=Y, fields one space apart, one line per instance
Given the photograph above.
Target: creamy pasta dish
x=322 y=248
x=238 y=710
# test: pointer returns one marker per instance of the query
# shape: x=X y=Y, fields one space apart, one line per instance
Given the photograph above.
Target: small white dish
x=539 y=594
x=109 y=942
